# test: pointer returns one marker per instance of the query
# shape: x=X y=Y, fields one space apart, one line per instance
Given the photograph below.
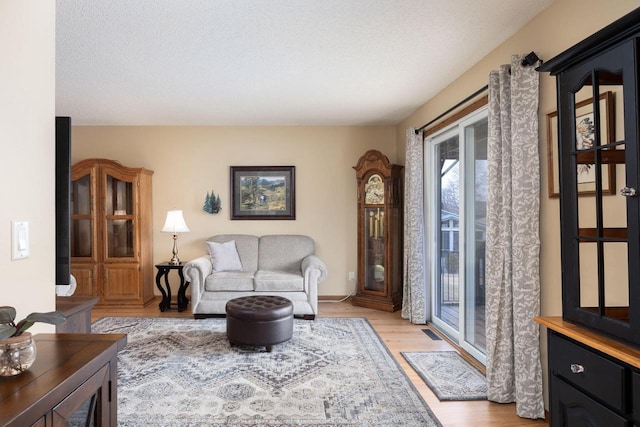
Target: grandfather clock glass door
x=374 y=235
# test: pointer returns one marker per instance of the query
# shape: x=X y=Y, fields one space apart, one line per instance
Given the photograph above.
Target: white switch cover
x=20 y=240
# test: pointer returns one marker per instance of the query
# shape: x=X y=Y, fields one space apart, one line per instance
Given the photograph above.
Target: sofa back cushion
x=247 y=246
x=282 y=252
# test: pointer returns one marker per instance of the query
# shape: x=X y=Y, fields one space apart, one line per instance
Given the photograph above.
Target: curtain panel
x=415 y=300
x=514 y=372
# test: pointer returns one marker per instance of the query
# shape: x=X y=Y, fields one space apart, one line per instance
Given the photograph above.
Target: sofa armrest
x=312 y=262
x=195 y=271
x=314 y=271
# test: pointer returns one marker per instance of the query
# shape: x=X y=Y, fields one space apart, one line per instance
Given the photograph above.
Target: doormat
x=448 y=375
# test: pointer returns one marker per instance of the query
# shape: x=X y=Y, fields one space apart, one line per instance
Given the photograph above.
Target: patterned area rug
x=333 y=372
x=448 y=375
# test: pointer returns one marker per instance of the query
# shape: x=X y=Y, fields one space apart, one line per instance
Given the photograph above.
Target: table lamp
x=175 y=224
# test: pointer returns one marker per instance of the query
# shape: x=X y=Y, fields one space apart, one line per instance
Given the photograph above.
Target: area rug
x=448 y=375
x=333 y=372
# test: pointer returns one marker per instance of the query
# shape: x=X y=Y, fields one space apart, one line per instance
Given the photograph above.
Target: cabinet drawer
x=582 y=367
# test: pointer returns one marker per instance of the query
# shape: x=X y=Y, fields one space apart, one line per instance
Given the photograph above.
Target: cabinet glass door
x=81 y=223
x=119 y=218
x=599 y=185
x=602 y=219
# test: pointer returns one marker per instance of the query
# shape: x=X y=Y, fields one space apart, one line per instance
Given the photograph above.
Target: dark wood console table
x=78 y=313
x=74 y=375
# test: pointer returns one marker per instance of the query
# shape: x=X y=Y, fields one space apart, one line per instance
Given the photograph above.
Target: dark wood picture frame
x=607 y=117
x=263 y=192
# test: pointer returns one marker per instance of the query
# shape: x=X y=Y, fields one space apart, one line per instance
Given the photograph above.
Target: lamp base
x=174 y=259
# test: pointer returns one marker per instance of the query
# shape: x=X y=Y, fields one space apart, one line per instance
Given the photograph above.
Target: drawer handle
x=576 y=368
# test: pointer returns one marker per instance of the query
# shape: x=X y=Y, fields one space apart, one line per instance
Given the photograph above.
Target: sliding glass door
x=456 y=203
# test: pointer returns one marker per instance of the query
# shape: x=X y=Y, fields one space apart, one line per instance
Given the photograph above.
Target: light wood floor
x=399 y=335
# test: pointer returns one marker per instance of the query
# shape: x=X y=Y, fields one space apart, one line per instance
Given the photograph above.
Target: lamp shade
x=175 y=223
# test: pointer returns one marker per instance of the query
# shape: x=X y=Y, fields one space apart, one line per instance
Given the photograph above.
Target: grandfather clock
x=380 y=210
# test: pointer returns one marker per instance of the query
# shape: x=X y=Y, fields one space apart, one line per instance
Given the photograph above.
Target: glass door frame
x=432 y=227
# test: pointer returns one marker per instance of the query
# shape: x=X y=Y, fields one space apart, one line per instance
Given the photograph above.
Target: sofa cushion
x=283 y=252
x=224 y=256
x=229 y=281
x=247 y=247
x=266 y=280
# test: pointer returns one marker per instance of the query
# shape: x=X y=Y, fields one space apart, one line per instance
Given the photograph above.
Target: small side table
x=163 y=270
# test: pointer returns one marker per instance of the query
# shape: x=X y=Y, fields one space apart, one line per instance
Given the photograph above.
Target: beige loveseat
x=242 y=265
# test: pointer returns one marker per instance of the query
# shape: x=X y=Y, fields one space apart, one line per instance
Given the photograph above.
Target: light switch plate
x=19 y=240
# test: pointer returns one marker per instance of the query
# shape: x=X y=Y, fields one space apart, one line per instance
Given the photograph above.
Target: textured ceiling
x=269 y=62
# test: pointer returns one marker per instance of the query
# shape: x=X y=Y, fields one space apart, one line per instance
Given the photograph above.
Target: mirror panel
x=588 y=275
x=616 y=296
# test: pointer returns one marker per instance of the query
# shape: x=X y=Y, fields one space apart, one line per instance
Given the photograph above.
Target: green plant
x=9 y=327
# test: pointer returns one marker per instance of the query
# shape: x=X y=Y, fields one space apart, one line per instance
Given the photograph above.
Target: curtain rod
x=474 y=94
x=529 y=59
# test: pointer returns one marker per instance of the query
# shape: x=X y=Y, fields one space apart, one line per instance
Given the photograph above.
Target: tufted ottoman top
x=259 y=307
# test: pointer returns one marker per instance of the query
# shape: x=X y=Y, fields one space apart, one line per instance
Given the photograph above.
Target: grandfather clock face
x=374 y=190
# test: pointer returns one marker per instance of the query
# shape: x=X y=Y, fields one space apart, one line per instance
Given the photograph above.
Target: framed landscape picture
x=263 y=192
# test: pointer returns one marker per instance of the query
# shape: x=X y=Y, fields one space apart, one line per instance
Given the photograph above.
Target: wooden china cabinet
x=380 y=210
x=594 y=348
x=111 y=232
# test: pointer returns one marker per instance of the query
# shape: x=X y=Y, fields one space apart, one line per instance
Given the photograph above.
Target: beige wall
x=27 y=131
x=190 y=161
x=559 y=27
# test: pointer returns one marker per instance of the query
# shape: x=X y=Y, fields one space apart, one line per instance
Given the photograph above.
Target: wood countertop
x=617 y=349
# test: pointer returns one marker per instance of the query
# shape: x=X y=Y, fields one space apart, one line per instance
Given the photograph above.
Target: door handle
x=628 y=192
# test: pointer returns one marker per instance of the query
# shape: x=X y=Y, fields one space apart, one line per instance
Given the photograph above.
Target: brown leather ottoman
x=259 y=320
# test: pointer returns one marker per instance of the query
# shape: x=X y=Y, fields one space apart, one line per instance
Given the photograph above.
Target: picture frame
x=263 y=192
x=584 y=113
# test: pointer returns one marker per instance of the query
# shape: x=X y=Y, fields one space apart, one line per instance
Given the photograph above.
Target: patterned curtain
x=514 y=373
x=415 y=296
